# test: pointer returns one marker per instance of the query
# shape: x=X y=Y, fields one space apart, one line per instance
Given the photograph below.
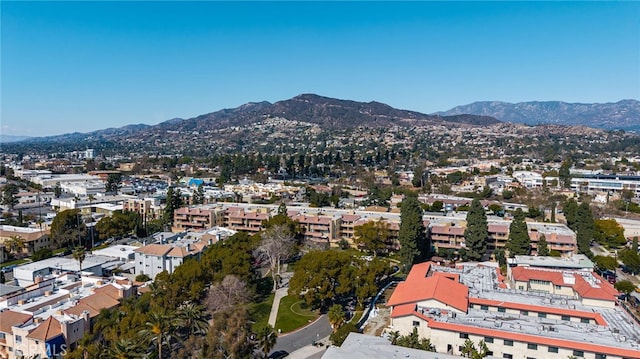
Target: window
x=464 y=335
x=584 y=320
x=542 y=315
x=484 y=307
x=553 y=349
x=558 y=287
x=578 y=353
x=501 y=310
x=532 y=346
x=488 y=339
x=566 y=317
x=507 y=356
x=508 y=343
x=524 y=312
x=416 y=323
x=601 y=356
x=18 y=339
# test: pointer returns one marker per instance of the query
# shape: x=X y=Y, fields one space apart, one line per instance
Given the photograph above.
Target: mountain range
x=331 y=113
x=621 y=115
x=324 y=111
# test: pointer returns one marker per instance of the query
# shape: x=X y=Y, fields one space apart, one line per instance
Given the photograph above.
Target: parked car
x=279 y=354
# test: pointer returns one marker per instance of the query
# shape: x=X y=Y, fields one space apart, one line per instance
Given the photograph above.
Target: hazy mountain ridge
x=623 y=114
x=10 y=138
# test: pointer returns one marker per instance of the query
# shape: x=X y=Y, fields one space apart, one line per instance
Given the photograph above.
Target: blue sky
x=83 y=66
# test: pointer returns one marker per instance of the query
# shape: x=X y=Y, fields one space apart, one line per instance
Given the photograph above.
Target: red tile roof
x=350 y=217
x=9 y=318
x=601 y=290
x=418 y=287
x=48 y=329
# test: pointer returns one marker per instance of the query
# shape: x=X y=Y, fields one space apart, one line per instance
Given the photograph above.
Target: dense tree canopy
x=609 y=233
x=322 y=277
x=119 y=224
x=605 y=262
x=67 y=227
x=373 y=236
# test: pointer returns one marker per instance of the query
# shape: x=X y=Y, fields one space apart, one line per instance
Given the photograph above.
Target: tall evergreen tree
x=571 y=213
x=564 y=174
x=543 y=246
x=477 y=231
x=414 y=245
x=584 y=229
x=519 y=242
x=174 y=201
x=198 y=195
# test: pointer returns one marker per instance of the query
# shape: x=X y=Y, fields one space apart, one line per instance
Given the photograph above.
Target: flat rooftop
x=360 y=346
x=576 y=261
x=621 y=330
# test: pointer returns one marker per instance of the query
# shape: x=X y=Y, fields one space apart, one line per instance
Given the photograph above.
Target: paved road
x=620 y=275
x=294 y=341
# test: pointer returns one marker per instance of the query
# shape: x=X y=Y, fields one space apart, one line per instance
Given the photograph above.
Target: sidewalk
x=281 y=292
x=310 y=351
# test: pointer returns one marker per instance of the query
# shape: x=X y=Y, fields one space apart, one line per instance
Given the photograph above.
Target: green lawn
x=291 y=315
x=259 y=311
x=15 y=262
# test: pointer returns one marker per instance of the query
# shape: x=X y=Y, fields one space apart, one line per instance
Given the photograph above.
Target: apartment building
x=448 y=232
x=196 y=218
x=147 y=208
x=33 y=239
x=451 y=305
x=246 y=219
x=348 y=222
x=155 y=258
x=50 y=316
x=317 y=227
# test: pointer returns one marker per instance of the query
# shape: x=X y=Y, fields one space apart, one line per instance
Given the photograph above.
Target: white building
x=475 y=302
x=156 y=258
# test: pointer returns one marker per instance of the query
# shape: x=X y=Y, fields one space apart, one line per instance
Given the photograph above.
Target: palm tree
x=123 y=349
x=79 y=255
x=266 y=338
x=393 y=337
x=468 y=348
x=192 y=317
x=91 y=198
x=158 y=329
x=15 y=244
x=336 y=316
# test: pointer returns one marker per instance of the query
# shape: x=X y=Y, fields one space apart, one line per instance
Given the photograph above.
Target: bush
x=41 y=254
x=338 y=337
x=142 y=278
x=554 y=253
